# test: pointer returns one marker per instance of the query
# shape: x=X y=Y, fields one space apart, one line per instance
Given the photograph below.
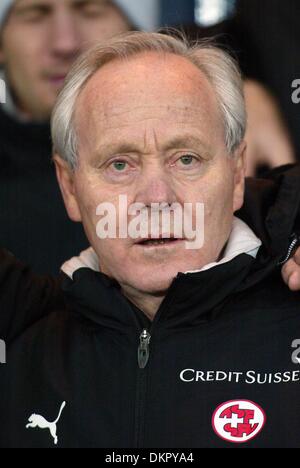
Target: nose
x=65 y=36
x=155 y=187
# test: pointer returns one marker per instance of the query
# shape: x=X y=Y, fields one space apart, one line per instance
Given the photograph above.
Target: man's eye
x=188 y=160
x=119 y=166
x=35 y=14
x=92 y=8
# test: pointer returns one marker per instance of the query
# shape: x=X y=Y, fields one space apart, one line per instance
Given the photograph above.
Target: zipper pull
x=143 y=350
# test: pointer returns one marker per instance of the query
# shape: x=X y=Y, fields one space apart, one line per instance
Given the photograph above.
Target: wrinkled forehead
x=147 y=87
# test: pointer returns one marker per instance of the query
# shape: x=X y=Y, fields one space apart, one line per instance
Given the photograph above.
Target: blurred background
x=263 y=34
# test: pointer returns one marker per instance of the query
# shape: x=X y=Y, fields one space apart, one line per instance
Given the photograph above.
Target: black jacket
x=223 y=354
x=34 y=223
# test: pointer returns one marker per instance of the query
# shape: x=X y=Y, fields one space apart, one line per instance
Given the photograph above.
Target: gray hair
x=217 y=65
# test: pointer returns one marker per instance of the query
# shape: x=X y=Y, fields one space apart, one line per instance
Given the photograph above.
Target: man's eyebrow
x=20 y=8
x=83 y=2
x=23 y=7
x=112 y=148
x=187 y=142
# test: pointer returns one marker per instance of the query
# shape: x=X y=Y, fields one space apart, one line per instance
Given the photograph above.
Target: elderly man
x=153 y=343
x=40 y=39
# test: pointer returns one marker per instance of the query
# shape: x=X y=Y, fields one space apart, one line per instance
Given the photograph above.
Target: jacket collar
x=192 y=295
x=242 y=240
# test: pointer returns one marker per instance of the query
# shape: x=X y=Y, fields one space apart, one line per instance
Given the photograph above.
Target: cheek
x=90 y=194
x=88 y=203
x=18 y=45
x=218 y=201
x=22 y=63
x=217 y=196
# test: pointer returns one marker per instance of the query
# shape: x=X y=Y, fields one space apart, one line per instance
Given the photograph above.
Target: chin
x=152 y=282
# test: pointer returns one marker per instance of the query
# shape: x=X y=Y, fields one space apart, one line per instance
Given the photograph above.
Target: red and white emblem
x=238 y=421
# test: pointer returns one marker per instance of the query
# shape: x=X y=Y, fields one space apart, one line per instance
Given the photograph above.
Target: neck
x=146 y=302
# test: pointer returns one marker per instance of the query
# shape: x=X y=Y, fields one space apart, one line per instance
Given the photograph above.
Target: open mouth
x=164 y=241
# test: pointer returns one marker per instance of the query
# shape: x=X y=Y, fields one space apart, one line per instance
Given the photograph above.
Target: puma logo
x=36 y=420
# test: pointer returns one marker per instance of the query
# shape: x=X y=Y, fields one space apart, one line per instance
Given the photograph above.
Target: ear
x=239 y=161
x=65 y=177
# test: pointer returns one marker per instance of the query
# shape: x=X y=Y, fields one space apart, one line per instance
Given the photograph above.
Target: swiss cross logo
x=238 y=421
